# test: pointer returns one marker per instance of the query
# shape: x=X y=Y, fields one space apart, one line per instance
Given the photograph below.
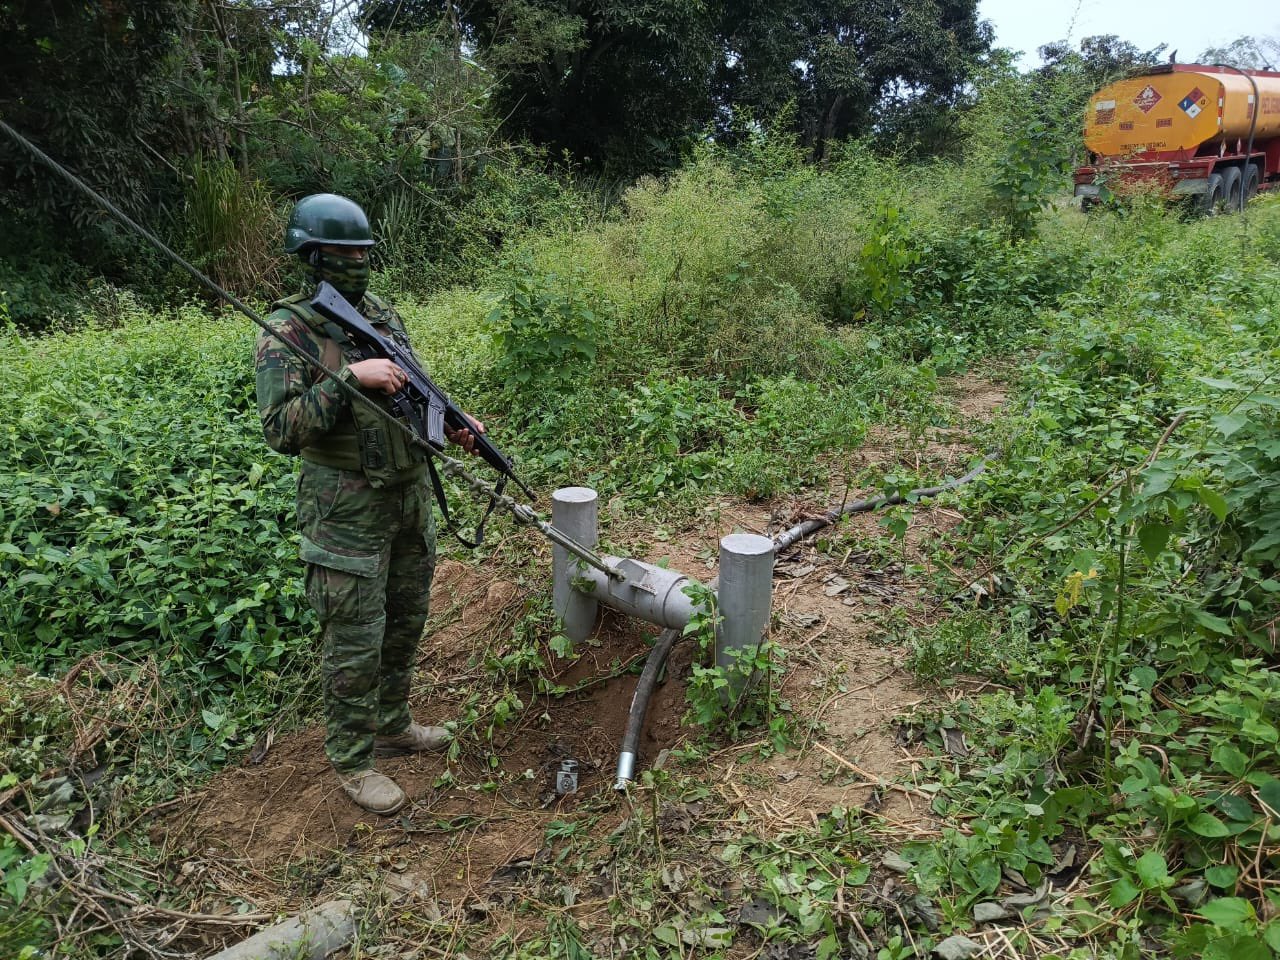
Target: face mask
x=350 y=277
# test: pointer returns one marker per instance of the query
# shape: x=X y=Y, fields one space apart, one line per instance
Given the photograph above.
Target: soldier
x=364 y=509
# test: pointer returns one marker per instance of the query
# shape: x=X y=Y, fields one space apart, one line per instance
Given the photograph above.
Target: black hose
x=802 y=530
x=653 y=665
x=667 y=639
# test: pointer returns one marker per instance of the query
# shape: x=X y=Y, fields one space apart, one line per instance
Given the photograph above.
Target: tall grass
x=232 y=224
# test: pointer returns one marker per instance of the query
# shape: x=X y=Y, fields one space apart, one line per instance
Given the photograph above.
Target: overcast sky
x=1188 y=26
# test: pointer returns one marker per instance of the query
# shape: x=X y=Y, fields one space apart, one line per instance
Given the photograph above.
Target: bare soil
x=286 y=819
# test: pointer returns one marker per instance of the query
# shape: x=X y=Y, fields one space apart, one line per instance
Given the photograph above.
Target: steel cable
x=522 y=513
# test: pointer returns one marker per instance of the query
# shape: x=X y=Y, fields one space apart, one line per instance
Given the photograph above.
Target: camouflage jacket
x=305 y=413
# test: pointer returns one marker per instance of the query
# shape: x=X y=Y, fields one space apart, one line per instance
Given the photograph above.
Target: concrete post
x=573 y=510
x=745 y=594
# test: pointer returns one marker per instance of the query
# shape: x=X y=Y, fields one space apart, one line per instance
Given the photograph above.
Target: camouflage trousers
x=370 y=553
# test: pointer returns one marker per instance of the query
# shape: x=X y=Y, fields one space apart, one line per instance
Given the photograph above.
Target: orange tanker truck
x=1207 y=134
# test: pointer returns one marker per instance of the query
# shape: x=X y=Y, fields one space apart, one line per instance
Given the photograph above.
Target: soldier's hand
x=379 y=374
x=465 y=438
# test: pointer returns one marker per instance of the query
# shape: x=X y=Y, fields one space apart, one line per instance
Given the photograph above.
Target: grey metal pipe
x=744 y=598
x=575 y=511
x=744 y=589
x=662 y=647
x=312 y=935
x=651 y=593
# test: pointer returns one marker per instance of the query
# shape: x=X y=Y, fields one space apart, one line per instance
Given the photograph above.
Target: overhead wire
x=454 y=469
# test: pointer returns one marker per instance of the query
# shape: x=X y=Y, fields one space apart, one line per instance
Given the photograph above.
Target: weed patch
x=1132 y=538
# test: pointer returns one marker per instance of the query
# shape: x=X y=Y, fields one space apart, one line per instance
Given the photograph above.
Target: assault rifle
x=420 y=403
x=522 y=513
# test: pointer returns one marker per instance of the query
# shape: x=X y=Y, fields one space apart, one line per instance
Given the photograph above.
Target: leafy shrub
x=141 y=512
x=773 y=453
x=1105 y=353
x=40 y=284
x=232 y=227
x=510 y=199
x=1133 y=524
x=741 y=695
x=879 y=279
x=702 y=274
x=1027 y=172
x=960 y=295
x=675 y=434
x=548 y=332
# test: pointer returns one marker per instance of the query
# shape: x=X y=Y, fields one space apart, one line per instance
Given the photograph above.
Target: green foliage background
x=734 y=327
x=670 y=349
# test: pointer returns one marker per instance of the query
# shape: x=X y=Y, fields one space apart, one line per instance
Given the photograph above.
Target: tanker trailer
x=1183 y=131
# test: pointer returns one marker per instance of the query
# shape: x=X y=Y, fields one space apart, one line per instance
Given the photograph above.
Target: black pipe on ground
x=802 y=530
x=653 y=665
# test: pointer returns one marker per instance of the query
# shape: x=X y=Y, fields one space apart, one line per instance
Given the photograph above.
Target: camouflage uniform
x=365 y=515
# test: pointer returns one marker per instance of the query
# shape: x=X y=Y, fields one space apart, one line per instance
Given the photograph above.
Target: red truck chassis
x=1213 y=179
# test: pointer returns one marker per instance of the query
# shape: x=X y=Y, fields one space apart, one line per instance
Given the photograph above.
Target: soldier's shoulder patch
x=377 y=310
x=283 y=319
x=289 y=326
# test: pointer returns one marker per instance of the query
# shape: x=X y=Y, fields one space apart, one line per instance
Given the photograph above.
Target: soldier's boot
x=374 y=792
x=416 y=739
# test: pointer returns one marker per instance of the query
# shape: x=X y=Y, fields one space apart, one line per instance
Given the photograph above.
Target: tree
x=84 y=80
x=627 y=84
x=1059 y=90
x=1247 y=53
x=886 y=64
x=619 y=85
x=852 y=68
x=1100 y=60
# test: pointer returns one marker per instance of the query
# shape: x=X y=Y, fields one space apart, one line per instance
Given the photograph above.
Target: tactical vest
x=362 y=440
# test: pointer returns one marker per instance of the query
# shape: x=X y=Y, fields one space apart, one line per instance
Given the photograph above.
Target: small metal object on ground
x=567 y=777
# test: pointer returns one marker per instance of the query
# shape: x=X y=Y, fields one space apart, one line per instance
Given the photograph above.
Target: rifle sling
x=438 y=489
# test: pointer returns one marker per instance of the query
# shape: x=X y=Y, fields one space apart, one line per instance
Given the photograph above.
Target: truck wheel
x=1231 y=183
x=1251 y=180
x=1211 y=199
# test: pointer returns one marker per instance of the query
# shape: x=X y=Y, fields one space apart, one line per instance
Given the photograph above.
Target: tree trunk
x=827 y=133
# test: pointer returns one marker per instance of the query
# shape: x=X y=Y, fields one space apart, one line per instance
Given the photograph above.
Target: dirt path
x=283 y=826
x=832 y=614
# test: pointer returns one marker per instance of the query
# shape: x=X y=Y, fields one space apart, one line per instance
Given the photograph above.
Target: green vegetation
x=1127 y=520
x=454 y=125
x=1135 y=544
x=732 y=332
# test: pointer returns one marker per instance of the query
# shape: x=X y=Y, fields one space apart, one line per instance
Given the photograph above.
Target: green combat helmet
x=326 y=218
